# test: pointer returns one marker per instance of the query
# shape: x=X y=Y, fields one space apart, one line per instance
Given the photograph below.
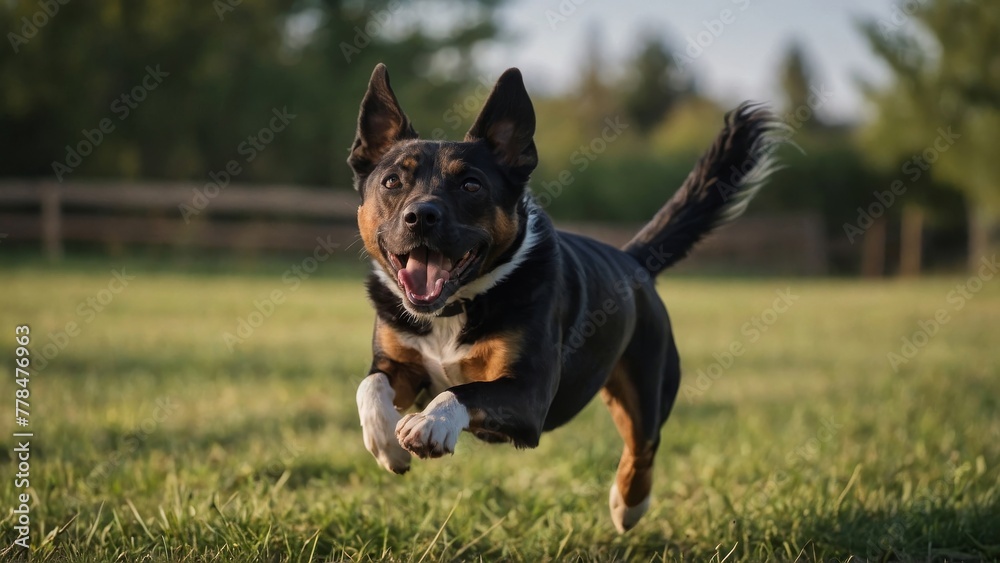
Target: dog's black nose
x=422 y=216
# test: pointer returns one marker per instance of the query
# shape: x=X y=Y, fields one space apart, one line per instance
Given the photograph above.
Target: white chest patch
x=441 y=352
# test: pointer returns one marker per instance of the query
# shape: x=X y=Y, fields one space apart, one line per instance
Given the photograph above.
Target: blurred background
x=175 y=130
x=173 y=183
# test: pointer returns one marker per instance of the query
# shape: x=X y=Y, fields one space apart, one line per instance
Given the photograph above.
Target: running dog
x=490 y=320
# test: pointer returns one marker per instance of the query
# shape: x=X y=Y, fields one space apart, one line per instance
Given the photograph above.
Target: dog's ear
x=381 y=124
x=507 y=124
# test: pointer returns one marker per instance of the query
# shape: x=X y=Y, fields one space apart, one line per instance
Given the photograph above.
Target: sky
x=736 y=45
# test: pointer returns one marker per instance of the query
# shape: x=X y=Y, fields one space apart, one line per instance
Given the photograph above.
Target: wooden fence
x=183 y=215
x=246 y=218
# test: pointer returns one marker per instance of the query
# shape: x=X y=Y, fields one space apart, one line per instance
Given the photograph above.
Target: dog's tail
x=717 y=191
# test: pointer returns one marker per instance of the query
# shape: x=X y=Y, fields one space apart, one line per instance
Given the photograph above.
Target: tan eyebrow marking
x=454 y=167
x=409 y=163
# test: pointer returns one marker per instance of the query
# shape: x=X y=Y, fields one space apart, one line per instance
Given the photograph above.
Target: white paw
x=625 y=517
x=434 y=432
x=378 y=423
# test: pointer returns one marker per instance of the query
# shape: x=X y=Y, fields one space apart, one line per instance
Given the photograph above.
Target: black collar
x=454 y=308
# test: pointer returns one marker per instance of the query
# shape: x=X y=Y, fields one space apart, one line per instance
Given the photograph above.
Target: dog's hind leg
x=636 y=417
x=640 y=394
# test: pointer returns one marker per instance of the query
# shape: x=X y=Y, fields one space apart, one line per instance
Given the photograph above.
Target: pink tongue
x=424 y=274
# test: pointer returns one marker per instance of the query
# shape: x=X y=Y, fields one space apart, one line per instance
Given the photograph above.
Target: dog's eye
x=471 y=186
x=392 y=182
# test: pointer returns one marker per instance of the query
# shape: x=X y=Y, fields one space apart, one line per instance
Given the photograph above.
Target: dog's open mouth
x=424 y=273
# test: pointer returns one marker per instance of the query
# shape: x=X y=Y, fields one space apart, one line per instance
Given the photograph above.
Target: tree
x=228 y=65
x=945 y=85
x=594 y=98
x=655 y=85
x=798 y=83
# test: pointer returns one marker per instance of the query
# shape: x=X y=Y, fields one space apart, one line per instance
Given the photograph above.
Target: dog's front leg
x=503 y=410
x=433 y=432
x=378 y=422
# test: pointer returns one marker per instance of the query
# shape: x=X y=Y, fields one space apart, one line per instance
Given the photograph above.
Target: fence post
x=51 y=221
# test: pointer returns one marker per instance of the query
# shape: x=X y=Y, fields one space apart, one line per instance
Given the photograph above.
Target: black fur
x=716 y=190
x=574 y=318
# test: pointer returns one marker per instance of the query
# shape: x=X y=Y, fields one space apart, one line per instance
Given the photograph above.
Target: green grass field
x=153 y=441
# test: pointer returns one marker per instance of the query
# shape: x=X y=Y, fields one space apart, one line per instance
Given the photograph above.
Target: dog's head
x=436 y=215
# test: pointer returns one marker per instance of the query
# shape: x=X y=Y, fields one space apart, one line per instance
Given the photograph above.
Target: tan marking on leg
x=488 y=360
x=634 y=479
x=403 y=365
x=491 y=357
